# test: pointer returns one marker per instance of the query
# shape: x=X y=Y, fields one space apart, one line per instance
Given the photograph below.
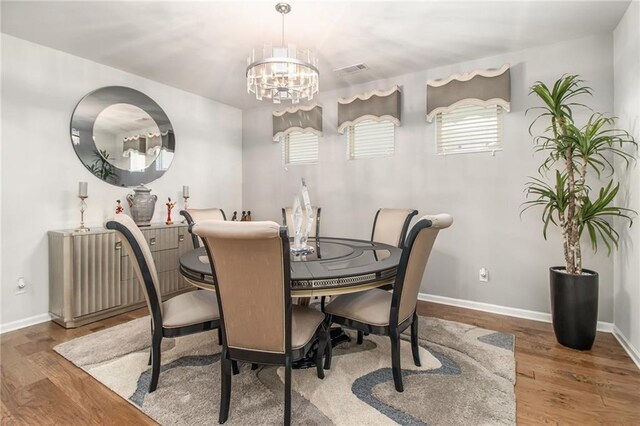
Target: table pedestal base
x=309 y=361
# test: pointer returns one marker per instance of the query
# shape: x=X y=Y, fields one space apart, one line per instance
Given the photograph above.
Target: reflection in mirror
x=122 y=136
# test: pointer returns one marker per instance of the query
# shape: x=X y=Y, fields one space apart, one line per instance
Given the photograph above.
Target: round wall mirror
x=122 y=136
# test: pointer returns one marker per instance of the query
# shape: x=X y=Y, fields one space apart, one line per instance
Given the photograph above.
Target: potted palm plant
x=569 y=202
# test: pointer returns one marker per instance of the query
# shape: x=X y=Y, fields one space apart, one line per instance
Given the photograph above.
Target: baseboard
x=26 y=322
x=633 y=352
x=606 y=327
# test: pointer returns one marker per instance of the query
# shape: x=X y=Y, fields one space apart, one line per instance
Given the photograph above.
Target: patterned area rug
x=466 y=378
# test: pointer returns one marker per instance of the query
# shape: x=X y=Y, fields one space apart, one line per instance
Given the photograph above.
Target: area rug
x=467 y=378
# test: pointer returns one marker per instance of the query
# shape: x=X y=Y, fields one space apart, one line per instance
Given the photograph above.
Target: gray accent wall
x=626 y=64
x=483 y=192
x=40 y=170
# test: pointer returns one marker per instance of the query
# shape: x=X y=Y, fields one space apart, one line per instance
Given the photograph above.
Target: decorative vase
x=574 y=307
x=142 y=205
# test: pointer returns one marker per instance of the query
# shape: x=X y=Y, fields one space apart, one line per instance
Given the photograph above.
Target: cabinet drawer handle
x=181 y=237
x=152 y=241
x=118 y=245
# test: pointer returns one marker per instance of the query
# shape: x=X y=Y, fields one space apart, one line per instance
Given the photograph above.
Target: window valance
x=297 y=119
x=376 y=105
x=480 y=87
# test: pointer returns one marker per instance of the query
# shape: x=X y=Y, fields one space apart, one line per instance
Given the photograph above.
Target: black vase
x=574 y=307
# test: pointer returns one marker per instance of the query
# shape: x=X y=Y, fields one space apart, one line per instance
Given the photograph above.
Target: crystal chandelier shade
x=282 y=73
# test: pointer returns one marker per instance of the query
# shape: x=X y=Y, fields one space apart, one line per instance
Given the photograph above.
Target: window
x=299 y=148
x=370 y=138
x=469 y=129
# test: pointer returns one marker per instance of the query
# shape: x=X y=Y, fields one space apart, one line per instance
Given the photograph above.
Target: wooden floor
x=554 y=384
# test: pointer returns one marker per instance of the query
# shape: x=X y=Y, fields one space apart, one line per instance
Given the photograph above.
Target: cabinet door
x=96 y=273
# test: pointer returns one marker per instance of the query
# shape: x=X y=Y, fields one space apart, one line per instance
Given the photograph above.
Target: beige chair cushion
x=370 y=307
x=304 y=323
x=190 y=308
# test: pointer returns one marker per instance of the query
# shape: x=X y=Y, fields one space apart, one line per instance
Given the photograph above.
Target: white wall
x=40 y=170
x=483 y=193
x=626 y=47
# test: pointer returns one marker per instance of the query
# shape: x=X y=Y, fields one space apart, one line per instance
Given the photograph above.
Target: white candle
x=185 y=190
x=82 y=189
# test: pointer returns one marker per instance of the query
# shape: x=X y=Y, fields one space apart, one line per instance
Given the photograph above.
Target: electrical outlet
x=21 y=286
x=483 y=275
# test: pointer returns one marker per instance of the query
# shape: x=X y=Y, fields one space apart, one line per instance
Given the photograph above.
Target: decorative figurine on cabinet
x=249 y=216
x=235 y=216
x=119 y=208
x=170 y=205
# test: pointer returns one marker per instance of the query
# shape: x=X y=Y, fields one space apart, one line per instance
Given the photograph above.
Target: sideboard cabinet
x=91 y=276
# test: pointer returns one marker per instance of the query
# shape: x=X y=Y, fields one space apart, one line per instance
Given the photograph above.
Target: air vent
x=351 y=69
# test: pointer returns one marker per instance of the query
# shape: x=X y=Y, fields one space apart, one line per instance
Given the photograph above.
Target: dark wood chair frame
x=284 y=220
x=157 y=330
x=191 y=222
x=269 y=358
x=393 y=330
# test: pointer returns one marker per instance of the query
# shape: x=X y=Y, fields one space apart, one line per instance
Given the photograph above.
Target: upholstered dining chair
x=287 y=220
x=184 y=314
x=196 y=215
x=260 y=324
x=390 y=226
x=380 y=312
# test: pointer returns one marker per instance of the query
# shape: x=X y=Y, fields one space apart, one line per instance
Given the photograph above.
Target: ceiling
x=202 y=47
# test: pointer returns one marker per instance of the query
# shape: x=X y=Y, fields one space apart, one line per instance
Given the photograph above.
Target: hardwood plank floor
x=555 y=385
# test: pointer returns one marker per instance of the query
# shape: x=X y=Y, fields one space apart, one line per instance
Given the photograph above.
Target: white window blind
x=371 y=139
x=300 y=148
x=469 y=129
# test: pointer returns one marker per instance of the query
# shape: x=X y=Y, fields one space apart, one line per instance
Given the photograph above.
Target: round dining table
x=336 y=266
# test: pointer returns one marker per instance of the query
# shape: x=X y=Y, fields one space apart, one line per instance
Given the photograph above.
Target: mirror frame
x=81 y=132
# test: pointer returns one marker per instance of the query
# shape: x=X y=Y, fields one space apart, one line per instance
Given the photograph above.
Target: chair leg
x=156 y=344
x=322 y=344
x=329 y=348
x=395 y=359
x=225 y=388
x=287 y=393
x=234 y=366
x=254 y=366
x=360 y=338
x=414 y=340
x=219 y=336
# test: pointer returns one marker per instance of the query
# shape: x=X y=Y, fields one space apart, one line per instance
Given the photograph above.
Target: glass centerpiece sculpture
x=302 y=221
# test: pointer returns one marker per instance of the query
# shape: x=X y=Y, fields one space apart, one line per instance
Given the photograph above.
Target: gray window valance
x=480 y=87
x=298 y=119
x=376 y=105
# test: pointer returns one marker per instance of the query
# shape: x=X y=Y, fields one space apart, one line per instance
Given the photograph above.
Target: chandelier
x=282 y=73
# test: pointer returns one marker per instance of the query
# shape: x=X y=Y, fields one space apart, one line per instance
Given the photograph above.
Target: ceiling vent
x=351 y=69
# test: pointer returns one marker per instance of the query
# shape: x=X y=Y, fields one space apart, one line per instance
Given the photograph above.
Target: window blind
x=469 y=129
x=299 y=148
x=371 y=139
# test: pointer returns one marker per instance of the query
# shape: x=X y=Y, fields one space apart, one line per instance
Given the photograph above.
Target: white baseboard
x=633 y=352
x=26 y=322
x=607 y=327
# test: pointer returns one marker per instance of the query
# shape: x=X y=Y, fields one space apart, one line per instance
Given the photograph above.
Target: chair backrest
x=141 y=260
x=287 y=220
x=390 y=226
x=413 y=261
x=253 y=282
x=197 y=215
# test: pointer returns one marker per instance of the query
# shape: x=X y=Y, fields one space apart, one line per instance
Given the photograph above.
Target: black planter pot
x=574 y=307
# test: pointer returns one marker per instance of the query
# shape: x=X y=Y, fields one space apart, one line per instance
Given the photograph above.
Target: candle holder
x=83 y=207
x=186 y=206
